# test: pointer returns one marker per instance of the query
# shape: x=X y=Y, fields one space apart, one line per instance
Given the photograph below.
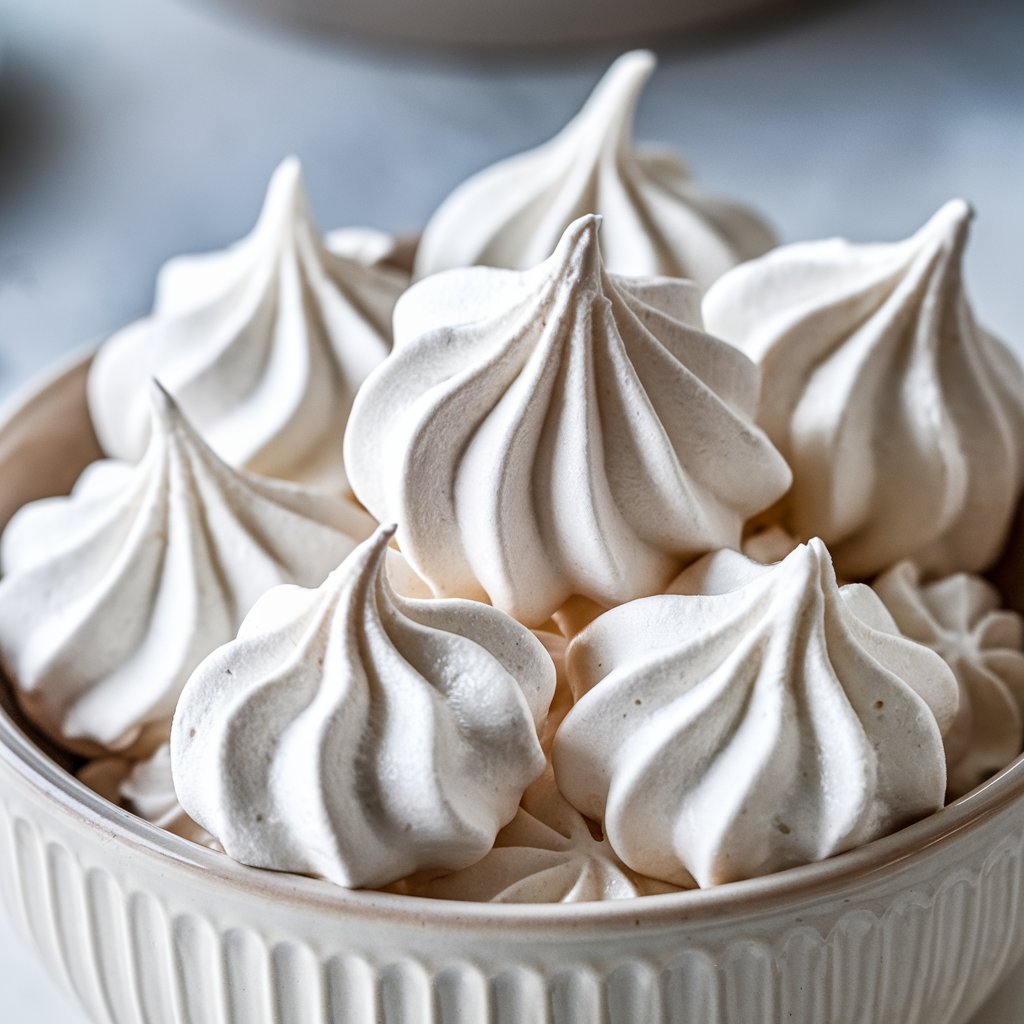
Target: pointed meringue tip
x=386 y=531
x=952 y=222
x=616 y=94
x=287 y=175
x=578 y=250
x=286 y=194
x=635 y=65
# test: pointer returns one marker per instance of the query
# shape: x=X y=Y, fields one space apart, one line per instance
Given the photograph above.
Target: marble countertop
x=132 y=130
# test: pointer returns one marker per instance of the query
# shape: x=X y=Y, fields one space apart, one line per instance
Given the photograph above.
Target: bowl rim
x=753 y=897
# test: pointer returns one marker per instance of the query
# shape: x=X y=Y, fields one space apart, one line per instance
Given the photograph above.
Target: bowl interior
x=46 y=439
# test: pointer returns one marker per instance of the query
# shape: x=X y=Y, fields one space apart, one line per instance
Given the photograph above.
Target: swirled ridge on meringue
x=758 y=718
x=264 y=345
x=356 y=735
x=659 y=223
x=559 y=431
x=962 y=618
x=890 y=403
x=112 y=595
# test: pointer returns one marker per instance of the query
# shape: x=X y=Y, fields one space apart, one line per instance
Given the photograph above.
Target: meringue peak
x=610 y=108
x=544 y=434
x=351 y=733
x=884 y=394
x=113 y=594
x=792 y=718
x=263 y=344
x=659 y=223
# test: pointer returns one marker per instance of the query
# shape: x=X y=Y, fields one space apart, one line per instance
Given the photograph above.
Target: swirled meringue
x=264 y=346
x=356 y=735
x=556 y=432
x=758 y=718
x=659 y=223
x=961 y=618
x=547 y=853
x=888 y=400
x=111 y=596
x=146 y=789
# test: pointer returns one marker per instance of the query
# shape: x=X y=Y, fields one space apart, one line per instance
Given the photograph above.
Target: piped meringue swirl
x=659 y=222
x=890 y=402
x=360 y=736
x=112 y=595
x=548 y=853
x=558 y=432
x=961 y=618
x=758 y=718
x=263 y=344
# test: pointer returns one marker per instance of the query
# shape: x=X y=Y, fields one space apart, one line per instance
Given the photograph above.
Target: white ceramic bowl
x=141 y=926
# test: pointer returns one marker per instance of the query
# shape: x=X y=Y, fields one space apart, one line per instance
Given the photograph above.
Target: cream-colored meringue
x=374 y=248
x=263 y=344
x=356 y=735
x=111 y=596
x=556 y=432
x=962 y=618
x=547 y=853
x=146 y=789
x=890 y=403
x=759 y=718
x=658 y=221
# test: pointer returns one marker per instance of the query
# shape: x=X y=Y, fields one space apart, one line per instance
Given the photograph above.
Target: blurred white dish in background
x=494 y=23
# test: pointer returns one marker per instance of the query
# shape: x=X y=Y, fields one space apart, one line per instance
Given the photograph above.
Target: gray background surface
x=132 y=130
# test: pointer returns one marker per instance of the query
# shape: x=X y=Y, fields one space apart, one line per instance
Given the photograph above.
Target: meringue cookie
x=146 y=789
x=659 y=223
x=888 y=400
x=732 y=733
x=961 y=618
x=548 y=853
x=557 y=432
x=356 y=735
x=114 y=594
x=264 y=346
x=374 y=248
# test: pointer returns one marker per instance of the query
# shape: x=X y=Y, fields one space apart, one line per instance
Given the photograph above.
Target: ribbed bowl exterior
x=142 y=928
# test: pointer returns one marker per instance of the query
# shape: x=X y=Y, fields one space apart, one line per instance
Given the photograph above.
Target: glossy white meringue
x=112 y=595
x=146 y=789
x=890 y=403
x=558 y=432
x=263 y=344
x=658 y=221
x=356 y=735
x=547 y=853
x=962 y=618
x=760 y=719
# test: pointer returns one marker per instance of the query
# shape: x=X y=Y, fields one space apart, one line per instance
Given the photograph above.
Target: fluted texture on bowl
x=135 y=939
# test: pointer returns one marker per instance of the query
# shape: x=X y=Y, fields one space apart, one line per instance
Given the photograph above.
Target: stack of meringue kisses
x=590 y=548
